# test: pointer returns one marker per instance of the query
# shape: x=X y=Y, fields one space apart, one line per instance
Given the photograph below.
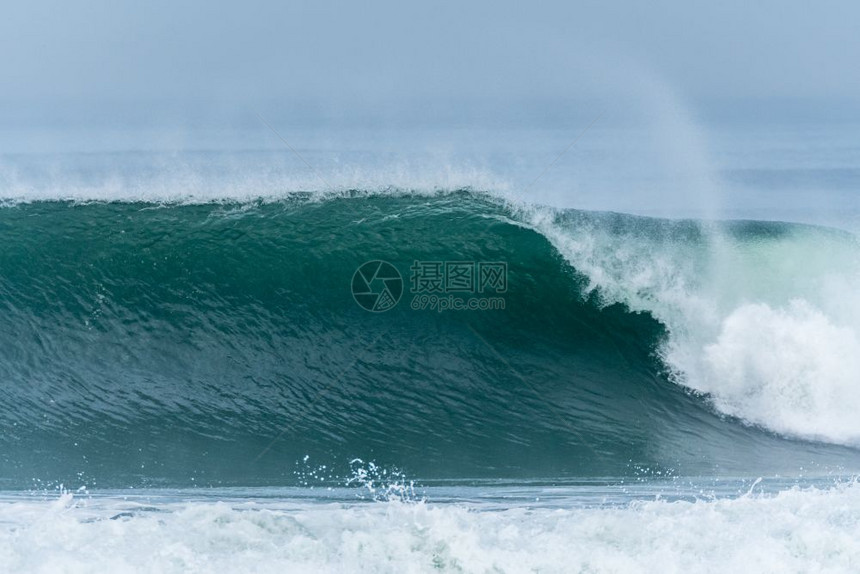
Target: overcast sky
x=323 y=55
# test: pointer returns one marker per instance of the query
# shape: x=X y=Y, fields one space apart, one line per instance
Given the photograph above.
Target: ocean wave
x=161 y=344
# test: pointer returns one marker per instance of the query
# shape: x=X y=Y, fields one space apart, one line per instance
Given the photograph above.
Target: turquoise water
x=219 y=344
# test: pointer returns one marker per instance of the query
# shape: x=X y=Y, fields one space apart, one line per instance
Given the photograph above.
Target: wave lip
x=762 y=318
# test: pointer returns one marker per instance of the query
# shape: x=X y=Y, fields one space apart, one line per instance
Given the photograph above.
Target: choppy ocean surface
x=192 y=382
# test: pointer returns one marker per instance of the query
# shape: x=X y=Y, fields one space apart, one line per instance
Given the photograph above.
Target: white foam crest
x=789 y=368
x=798 y=530
x=172 y=180
x=768 y=327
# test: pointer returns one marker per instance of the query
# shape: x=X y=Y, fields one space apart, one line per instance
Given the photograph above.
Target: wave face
x=146 y=344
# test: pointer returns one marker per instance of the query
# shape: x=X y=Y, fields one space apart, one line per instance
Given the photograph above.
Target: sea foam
x=797 y=530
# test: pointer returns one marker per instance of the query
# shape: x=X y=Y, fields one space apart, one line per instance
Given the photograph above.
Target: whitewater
x=794 y=530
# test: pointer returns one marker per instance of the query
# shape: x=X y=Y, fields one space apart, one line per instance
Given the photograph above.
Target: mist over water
x=641 y=148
